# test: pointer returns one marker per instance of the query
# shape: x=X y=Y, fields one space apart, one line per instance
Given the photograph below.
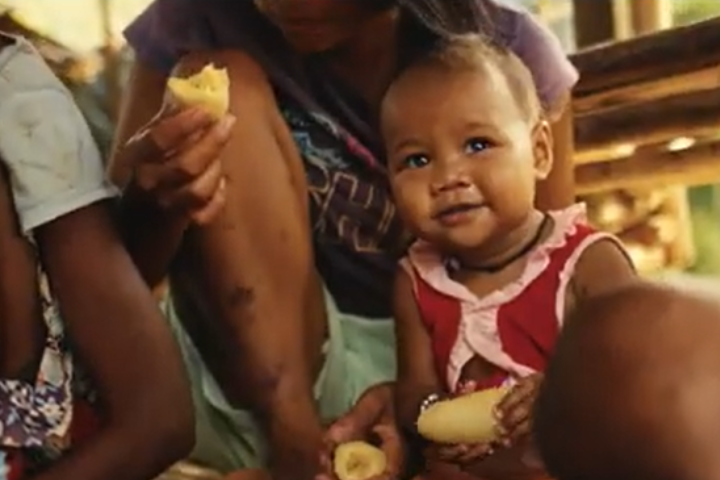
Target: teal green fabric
x=359 y=353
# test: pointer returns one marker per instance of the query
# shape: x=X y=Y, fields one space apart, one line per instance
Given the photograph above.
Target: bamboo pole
x=649 y=16
x=693 y=114
x=594 y=22
x=558 y=190
x=697 y=165
x=649 y=57
x=648 y=91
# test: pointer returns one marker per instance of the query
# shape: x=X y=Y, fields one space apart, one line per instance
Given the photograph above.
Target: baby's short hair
x=474 y=51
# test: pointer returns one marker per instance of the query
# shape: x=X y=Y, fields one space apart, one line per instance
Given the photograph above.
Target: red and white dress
x=515 y=328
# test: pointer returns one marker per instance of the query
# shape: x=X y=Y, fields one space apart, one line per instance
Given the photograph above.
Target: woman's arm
x=164 y=191
x=417 y=377
x=151 y=236
x=254 y=267
x=121 y=336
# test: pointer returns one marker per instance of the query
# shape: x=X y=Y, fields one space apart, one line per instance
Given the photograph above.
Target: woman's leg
x=265 y=320
x=263 y=324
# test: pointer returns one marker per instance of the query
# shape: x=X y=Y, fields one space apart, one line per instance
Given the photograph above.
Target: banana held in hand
x=208 y=89
x=465 y=419
x=358 y=461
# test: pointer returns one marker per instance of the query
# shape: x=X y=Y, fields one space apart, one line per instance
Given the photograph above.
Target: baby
x=486 y=287
x=633 y=391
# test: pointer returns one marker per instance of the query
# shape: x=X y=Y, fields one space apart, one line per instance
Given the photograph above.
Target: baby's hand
x=458 y=454
x=514 y=412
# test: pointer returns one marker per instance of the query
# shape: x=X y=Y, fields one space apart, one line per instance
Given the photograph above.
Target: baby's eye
x=415 y=161
x=476 y=145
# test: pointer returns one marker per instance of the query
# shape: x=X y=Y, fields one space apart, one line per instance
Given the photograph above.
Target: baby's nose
x=451 y=177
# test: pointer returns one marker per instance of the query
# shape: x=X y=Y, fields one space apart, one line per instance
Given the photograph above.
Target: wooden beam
x=692 y=114
x=651 y=90
x=594 y=22
x=663 y=54
x=699 y=165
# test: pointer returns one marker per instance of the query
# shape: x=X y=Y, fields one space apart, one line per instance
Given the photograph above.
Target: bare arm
x=122 y=337
x=602 y=267
x=21 y=328
x=118 y=332
x=417 y=377
x=254 y=266
x=152 y=235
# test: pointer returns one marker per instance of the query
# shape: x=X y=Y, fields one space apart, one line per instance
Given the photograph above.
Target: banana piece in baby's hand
x=465 y=419
x=358 y=461
x=208 y=89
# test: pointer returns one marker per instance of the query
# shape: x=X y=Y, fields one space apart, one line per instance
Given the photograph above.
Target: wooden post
x=594 y=23
x=649 y=16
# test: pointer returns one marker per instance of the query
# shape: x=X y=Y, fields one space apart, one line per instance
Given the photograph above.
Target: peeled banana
x=208 y=89
x=465 y=419
x=358 y=461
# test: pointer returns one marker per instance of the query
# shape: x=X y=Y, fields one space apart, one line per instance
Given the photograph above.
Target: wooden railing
x=638 y=100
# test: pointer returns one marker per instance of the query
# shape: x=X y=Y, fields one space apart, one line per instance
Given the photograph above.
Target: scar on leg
x=241 y=297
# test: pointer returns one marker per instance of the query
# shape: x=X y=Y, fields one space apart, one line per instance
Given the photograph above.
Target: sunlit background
x=78 y=24
x=668 y=229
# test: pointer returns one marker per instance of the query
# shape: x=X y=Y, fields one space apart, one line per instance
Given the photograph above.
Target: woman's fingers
x=464 y=453
x=475 y=452
x=517 y=395
x=392 y=444
x=207 y=213
x=153 y=143
x=170 y=132
x=189 y=164
x=450 y=453
x=196 y=194
x=190 y=180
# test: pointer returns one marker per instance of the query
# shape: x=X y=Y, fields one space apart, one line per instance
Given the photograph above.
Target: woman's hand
x=372 y=419
x=514 y=412
x=175 y=163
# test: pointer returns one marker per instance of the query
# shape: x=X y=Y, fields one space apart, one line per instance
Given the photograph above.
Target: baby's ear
x=542 y=149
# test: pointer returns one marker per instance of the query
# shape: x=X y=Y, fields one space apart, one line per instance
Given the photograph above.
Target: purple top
x=357 y=235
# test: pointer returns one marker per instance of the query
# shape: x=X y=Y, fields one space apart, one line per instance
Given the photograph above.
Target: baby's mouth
x=457 y=212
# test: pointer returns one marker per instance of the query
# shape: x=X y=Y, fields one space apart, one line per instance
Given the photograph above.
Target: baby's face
x=461 y=155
